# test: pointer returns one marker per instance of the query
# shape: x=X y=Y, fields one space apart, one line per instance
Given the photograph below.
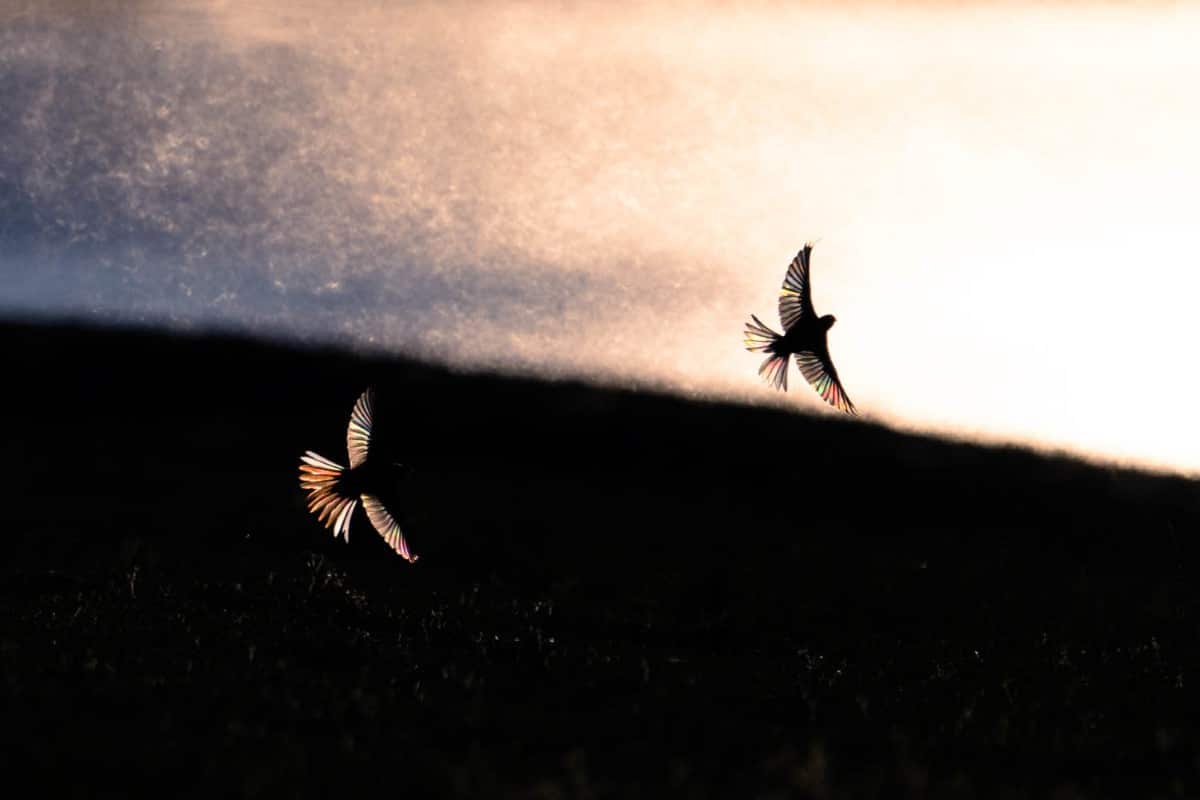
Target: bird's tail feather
x=320 y=477
x=761 y=339
x=758 y=337
x=774 y=371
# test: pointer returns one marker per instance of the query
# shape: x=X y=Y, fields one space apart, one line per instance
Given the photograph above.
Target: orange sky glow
x=1002 y=193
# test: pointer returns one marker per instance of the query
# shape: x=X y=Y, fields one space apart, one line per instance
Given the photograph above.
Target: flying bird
x=804 y=336
x=334 y=492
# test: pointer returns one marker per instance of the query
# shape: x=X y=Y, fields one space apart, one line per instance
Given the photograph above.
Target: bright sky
x=1002 y=193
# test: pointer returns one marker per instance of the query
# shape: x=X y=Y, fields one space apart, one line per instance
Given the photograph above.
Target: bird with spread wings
x=334 y=492
x=804 y=336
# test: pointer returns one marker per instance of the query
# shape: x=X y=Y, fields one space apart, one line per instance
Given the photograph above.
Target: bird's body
x=805 y=336
x=367 y=477
x=334 y=491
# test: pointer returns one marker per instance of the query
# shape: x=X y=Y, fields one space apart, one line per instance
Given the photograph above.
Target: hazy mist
x=1003 y=195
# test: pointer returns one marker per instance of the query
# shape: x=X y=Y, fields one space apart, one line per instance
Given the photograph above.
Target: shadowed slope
x=589 y=557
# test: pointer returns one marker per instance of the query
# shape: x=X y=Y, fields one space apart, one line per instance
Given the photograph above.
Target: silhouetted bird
x=803 y=336
x=333 y=492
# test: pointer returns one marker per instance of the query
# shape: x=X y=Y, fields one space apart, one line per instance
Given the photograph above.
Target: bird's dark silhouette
x=334 y=491
x=804 y=336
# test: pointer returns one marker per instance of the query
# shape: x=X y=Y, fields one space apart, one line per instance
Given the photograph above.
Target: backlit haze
x=1004 y=195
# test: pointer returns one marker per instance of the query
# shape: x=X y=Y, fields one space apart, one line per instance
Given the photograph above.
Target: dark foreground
x=619 y=595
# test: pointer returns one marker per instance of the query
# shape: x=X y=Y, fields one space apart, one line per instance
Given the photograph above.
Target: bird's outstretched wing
x=795 y=298
x=817 y=369
x=387 y=526
x=358 y=434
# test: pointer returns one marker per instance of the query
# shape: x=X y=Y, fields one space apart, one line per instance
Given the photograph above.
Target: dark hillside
x=619 y=594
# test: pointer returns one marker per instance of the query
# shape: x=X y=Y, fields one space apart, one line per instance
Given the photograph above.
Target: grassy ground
x=619 y=595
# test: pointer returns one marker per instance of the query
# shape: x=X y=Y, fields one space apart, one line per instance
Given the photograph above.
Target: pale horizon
x=999 y=194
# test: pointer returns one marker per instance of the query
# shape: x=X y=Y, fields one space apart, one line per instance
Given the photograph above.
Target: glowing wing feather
x=818 y=370
x=387 y=526
x=358 y=434
x=795 y=298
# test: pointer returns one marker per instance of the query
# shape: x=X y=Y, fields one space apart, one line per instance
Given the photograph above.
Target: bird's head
x=828 y=321
x=404 y=469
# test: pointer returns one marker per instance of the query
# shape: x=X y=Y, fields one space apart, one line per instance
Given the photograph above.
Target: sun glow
x=1001 y=194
